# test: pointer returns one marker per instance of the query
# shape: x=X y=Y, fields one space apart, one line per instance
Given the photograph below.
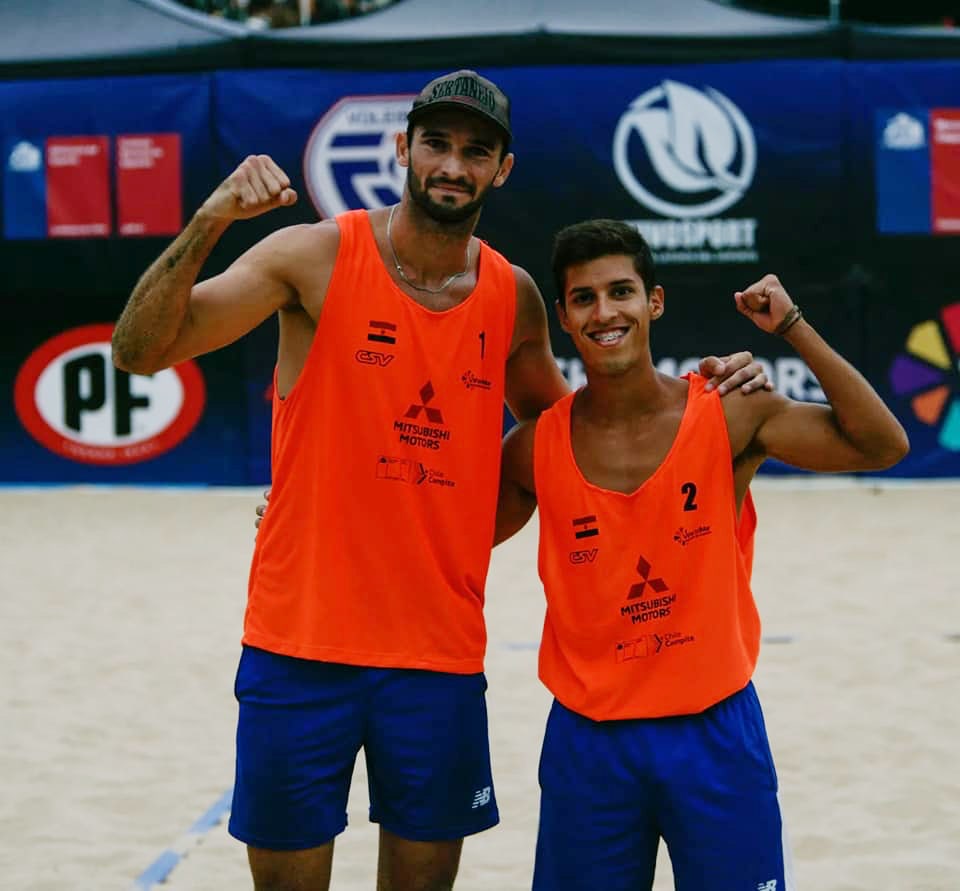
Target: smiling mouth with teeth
x=613 y=335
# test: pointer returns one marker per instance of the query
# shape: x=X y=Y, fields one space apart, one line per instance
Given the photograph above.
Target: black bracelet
x=789 y=320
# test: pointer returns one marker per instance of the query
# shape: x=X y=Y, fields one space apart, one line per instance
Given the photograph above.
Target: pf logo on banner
x=350 y=161
x=72 y=400
x=697 y=155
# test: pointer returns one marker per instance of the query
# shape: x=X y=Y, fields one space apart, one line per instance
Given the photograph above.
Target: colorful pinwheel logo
x=929 y=375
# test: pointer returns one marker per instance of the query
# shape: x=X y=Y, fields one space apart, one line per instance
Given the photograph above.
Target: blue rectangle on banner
x=24 y=191
x=902 y=152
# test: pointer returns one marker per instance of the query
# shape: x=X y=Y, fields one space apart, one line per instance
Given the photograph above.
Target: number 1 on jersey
x=483 y=343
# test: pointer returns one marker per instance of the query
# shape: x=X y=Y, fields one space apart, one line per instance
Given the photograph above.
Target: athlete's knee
x=435 y=882
x=417 y=866
x=307 y=870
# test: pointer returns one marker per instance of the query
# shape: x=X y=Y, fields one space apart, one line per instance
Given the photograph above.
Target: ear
x=656 y=300
x=403 y=150
x=503 y=174
x=562 y=316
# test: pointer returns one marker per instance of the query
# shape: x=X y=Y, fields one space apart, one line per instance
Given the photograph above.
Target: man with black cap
x=401 y=335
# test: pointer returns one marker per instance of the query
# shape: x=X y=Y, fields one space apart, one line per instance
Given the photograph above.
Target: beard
x=440 y=212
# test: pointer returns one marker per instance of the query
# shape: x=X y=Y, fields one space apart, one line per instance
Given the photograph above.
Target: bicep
x=808 y=437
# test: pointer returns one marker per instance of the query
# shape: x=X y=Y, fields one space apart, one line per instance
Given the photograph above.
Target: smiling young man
x=646 y=541
x=400 y=337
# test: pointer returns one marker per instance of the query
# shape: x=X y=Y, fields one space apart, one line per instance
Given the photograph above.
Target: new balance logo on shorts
x=482 y=797
x=768 y=886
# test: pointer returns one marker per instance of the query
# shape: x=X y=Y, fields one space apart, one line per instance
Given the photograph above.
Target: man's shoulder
x=310 y=234
x=524 y=279
x=316 y=242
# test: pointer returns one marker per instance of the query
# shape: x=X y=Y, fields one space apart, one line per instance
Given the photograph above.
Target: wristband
x=789 y=320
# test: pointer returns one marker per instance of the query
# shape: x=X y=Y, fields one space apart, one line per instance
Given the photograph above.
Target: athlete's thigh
x=597 y=824
x=299 y=729
x=406 y=865
x=428 y=755
x=721 y=816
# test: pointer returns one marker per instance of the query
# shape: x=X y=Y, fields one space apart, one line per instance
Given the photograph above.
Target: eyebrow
x=586 y=289
x=439 y=133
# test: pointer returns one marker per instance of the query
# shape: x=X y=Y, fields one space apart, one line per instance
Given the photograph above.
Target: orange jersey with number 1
x=649 y=608
x=385 y=461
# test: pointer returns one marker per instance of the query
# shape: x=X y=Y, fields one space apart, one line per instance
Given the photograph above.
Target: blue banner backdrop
x=840 y=177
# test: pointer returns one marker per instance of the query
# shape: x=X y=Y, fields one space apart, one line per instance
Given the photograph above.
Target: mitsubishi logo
x=433 y=414
x=658 y=585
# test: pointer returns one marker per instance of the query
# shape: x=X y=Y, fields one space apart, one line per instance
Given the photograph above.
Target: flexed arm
x=168 y=317
x=856 y=431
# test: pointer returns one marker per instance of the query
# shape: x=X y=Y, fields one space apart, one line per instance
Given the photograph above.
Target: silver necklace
x=403 y=275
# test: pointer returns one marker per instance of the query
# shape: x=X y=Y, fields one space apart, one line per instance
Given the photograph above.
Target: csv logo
x=369 y=357
x=72 y=400
x=683 y=152
x=350 y=160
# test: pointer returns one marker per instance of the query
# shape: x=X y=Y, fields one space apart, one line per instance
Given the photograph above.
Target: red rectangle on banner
x=78 y=186
x=149 y=189
x=945 y=169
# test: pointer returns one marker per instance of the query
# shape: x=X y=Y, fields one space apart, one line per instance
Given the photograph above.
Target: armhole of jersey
x=348 y=224
x=536 y=456
x=728 y=452
x=345 y=243
x=511 y=319
x=504 y=279
x=744 y=522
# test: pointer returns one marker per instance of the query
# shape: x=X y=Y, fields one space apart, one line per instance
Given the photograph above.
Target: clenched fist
x=765 y=303
x=256 y=186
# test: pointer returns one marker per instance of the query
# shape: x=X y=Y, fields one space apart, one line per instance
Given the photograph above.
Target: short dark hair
x=592 y=239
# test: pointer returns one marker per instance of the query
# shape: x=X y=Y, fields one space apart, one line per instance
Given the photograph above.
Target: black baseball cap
x=467 y=90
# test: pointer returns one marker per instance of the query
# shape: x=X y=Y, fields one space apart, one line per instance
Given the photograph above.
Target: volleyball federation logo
x=350 y=160
x=928 y=374
x=684 y=152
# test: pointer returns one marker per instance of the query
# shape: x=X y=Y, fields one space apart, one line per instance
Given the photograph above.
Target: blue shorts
x=301 y=724
x=705 y=783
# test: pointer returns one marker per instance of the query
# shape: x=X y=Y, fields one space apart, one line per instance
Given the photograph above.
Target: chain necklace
x=403 y=275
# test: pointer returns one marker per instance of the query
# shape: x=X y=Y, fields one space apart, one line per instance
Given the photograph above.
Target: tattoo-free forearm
x=159 y=304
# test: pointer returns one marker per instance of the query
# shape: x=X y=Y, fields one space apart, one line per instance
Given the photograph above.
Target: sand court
x=120 y=619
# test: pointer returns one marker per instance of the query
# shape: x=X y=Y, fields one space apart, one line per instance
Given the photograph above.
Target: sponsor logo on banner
x=903 y=133
x=25 y=157
x=78 y=186
x=149 y=165
x=350 y=160
x=73 y=401
x=917 y=170
x=928 y=374
x=65 y=187
x=688 y=154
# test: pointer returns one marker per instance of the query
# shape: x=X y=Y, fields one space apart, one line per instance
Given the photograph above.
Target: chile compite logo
x=929 y=374
x=350 y=160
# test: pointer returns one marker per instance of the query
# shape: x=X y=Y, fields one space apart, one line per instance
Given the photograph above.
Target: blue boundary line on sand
x=158 y=871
